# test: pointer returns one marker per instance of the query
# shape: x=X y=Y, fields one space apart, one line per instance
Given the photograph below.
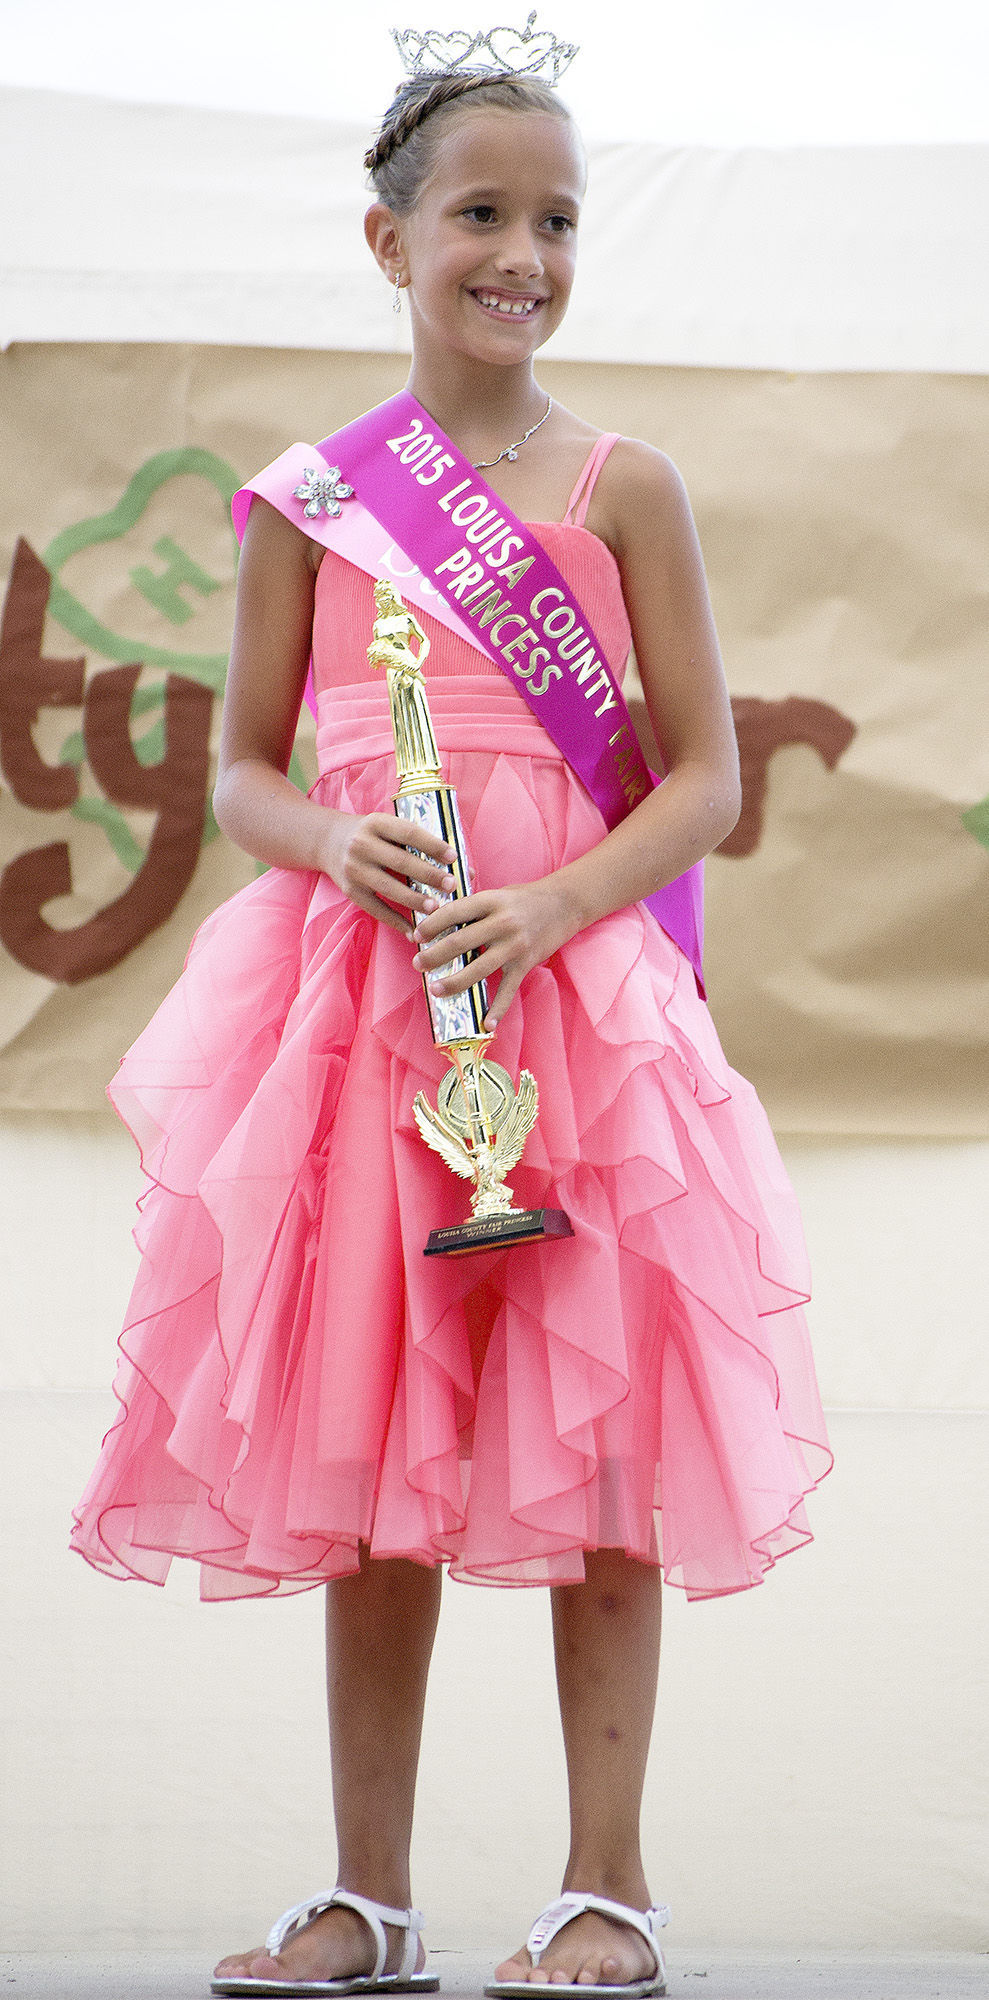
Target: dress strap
x=579 y=500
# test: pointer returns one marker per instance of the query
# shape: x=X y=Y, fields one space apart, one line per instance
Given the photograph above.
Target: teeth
x=518 y=308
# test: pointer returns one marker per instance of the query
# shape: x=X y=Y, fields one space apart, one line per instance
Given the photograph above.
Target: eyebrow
x=490 y=193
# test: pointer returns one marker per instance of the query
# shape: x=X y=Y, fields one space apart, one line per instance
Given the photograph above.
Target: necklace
x=511 y=451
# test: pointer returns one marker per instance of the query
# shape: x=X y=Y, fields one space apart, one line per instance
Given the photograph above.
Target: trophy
x=480 y=1123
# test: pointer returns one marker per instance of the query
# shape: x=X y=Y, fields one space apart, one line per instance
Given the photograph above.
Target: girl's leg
x=380 y=1626
x=606 y=1635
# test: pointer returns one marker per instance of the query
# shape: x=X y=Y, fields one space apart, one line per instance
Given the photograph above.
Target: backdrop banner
x=842 y=520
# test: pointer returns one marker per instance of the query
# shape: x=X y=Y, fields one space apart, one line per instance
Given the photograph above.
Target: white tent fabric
x=130 y=222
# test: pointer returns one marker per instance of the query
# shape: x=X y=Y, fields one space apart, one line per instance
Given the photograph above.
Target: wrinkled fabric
x=296 y=1377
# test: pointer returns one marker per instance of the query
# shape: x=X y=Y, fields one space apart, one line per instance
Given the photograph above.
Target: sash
x=392 y=494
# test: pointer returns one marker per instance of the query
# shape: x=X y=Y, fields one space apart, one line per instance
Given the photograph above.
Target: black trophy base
x=498 y=1232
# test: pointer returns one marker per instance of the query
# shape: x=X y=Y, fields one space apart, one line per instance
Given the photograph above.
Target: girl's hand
x=370 y=858
x=512 y=929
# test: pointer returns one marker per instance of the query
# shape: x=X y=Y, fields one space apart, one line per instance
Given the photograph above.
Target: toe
x=236 y=1965
x=263 y=1966
x=512 y=1969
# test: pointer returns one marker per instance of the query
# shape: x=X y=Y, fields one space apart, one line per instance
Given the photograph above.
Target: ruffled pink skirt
x=297 y=1378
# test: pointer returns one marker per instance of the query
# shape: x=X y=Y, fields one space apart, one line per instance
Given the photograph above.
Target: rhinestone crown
x=524 y=51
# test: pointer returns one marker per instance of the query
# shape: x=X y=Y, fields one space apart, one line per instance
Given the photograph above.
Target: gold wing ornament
x=442 y=1137
x=497 y=1135
x=513 y=1133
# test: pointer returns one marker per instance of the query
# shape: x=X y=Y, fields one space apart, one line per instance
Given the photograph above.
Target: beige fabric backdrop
x=842 y=520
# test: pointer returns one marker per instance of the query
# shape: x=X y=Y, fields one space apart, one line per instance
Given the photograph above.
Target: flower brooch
x=322 y=491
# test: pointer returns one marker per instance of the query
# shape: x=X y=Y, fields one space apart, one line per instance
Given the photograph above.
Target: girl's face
x=491 y=244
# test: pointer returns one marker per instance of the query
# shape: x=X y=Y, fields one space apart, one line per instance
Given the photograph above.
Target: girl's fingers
x=510 y=930
x=406 y=834
x=380 y=883
x=430 y=875
x=378 y=878
x=483 y=967
x=463 y=910
x=453 y=944
x=391 y=918
x=374 y=907
x=424 y=855
x=508 y=986
x=385 y=861
x=432 y=881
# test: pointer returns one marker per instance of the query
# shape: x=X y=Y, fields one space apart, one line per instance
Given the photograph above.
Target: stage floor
x=725 y=1975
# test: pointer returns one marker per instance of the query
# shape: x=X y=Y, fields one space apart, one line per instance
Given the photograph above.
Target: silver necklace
x=511 y=451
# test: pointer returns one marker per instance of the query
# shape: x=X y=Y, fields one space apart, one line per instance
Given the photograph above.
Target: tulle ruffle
x=296 y=1378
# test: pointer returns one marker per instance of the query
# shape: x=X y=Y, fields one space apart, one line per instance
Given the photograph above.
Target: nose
x=519 y=253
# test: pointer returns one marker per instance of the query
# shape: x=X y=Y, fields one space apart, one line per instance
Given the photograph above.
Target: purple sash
x=485 y=575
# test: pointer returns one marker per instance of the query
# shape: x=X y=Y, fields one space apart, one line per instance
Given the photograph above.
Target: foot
x=591 y=1950
x=338 y=1945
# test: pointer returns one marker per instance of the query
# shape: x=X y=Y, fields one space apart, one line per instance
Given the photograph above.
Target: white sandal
x=551 y=1920
x=376 y=1916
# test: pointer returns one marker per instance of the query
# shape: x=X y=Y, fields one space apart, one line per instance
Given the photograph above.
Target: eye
x=560 y=225
x=481 y=212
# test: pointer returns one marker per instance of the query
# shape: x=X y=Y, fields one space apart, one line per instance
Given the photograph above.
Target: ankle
x=382 y=1884
x=620 y=1879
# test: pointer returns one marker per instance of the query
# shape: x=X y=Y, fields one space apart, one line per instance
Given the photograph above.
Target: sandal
x=376 y=1916
x=563 y=1911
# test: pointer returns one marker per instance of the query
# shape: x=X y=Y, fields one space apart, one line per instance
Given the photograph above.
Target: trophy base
x=498 y=1232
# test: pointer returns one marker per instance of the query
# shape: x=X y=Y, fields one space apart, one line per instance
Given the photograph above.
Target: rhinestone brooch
x=322 y=491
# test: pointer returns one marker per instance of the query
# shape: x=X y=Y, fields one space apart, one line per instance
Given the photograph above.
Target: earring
x=396 y=304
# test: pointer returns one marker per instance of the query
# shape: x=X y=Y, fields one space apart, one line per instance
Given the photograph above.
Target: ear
x=382 y=230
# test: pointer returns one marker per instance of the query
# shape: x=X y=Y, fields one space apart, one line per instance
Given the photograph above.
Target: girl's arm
x=676 y=647
x=255 y=803
x=652 y=533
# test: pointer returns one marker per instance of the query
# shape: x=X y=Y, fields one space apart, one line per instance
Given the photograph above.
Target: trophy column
x=481 y=1121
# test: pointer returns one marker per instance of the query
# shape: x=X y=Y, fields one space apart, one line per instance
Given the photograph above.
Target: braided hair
x=399 y=163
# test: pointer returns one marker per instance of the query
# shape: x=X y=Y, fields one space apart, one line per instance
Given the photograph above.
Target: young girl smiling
x=307 y=1399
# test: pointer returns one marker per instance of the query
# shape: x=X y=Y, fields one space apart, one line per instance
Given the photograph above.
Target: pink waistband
x=469 y=711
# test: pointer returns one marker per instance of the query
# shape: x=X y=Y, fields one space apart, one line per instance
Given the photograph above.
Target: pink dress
x=296 y=1377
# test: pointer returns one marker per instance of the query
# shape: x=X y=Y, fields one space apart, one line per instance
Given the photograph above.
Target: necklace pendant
x=510 y=452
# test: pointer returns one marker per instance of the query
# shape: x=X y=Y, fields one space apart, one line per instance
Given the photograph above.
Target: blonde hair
x=400 y=161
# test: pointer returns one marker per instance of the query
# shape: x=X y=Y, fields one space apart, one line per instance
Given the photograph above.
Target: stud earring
x=396 y=304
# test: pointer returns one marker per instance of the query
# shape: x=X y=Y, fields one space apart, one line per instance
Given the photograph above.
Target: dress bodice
x=344 y=607
x=344 y=613
x=473 y=701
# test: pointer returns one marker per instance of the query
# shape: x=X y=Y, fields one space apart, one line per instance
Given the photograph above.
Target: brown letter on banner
x=174 y=788
x=29 y=682
x=764 y=727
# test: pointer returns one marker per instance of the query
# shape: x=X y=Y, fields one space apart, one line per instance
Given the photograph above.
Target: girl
x=306 y=1398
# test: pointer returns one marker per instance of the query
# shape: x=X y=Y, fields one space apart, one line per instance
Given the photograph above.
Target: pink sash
x=486 y=576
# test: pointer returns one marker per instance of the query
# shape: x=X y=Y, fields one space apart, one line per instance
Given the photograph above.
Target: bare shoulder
x=641 y=496
x=272 y=541
x=644 y=467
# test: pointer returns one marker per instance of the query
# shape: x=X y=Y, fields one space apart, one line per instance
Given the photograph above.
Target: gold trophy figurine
x=481 y=1122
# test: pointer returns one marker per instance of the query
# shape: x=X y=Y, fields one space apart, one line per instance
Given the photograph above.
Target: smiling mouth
x=507 y=307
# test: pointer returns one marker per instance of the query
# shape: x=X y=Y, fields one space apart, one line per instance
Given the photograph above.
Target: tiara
x=522 y=51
